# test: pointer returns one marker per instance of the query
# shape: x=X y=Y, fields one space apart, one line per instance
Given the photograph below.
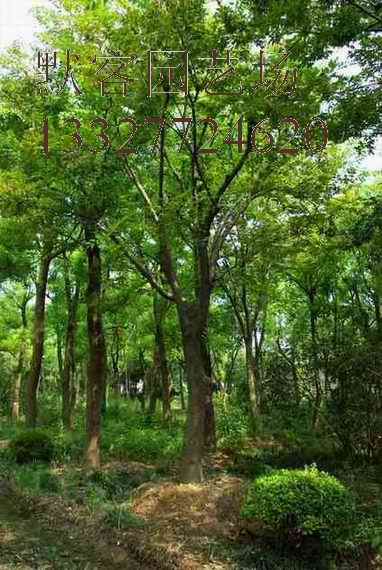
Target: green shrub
x=35 y=479
x=27 y=478
x=141 y=443
x=368 y=529
x=50 y=482
x=95 y=497
x=32 y=445
x=248 y=462
x=232 y=423
x=69 y=446
x=118 y=483
x=301 y=503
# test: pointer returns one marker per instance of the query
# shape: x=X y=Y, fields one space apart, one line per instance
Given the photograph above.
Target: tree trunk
x=59 y=358
x=152 y=386
x=317 y=382
x=15 y=410
x=82 y=379
x=73 y=394
x=37 y=342
x=69 y=358
x=251 y=379
x=97 y=352
x=194 y=438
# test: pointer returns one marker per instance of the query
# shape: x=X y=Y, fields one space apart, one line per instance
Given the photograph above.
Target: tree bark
x=194 y=440
x=37 y=342
x=96 y=371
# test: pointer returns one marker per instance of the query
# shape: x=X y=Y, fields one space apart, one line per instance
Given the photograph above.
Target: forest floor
x=32 y=540
x=182 y=526
x=134 y=514
x=188 y=527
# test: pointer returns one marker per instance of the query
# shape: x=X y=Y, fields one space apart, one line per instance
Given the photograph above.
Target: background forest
x=191 y=286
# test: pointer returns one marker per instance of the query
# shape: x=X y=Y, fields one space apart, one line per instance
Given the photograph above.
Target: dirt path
x=30 y=544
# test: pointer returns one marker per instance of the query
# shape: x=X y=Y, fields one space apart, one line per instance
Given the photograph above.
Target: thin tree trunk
x=37 y=342
x=59 y=358
x=181 y=388
x=152 y=384
x=251 y=379
x=73 y=394
x=159 y=308
x=97 y=352
x=82 y=379
x=15 y=410
x=377 y=312
x=317 y=382
x=69 y=358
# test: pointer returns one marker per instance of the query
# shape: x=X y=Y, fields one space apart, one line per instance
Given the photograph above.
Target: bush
x=32 y=445
x=232 y=423
x=141 y=443
x=119 y=483
x=69 y=446
x=302 y=503
x=49 y=482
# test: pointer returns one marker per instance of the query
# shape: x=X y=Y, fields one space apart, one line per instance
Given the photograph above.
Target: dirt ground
x=183 y=524
x=34 y=540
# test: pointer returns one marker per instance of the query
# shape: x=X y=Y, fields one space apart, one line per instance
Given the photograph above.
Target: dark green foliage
x=33 y=445
x=297 y=504
x=49 y=482
x=69 y=446
x=135 y=438
x=119 y=483
x=354 y=409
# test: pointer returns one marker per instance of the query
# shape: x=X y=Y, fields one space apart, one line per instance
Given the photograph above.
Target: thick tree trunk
x=69 y=358
x=37 y=342
x=194 y=439
x=251 y=379
x=97 y=352
x=159 y=308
